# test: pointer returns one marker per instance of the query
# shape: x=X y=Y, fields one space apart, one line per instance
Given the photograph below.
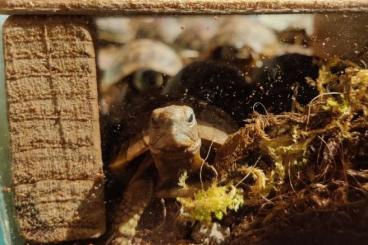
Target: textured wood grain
x=178 y=6
x=54 y=128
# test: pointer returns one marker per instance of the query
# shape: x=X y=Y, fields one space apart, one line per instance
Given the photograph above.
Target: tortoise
x=241 y=41
x=114 y=30
x=141 y=70
x=161 y=28
x=173 y=137
x=283 y=80
x=219 y=84
x=141 y=56
x=195 y=36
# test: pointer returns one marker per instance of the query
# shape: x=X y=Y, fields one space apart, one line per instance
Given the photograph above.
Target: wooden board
x=54 y=128
x=101 y=7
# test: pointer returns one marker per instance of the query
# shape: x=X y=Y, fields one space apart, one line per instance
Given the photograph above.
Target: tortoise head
x=173 y=131
x=146 y=80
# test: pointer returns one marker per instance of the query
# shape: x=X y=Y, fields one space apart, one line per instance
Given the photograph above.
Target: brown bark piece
x=54 y=127
x=178 y=6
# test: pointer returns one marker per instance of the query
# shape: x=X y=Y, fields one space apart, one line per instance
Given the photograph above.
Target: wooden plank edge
x=127 y=7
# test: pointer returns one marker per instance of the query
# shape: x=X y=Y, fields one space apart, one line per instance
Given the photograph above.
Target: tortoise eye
x=190 y=118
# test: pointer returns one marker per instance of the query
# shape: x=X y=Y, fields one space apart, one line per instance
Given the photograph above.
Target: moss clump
x=213 y=202
x=305 y=164
x=260 y=186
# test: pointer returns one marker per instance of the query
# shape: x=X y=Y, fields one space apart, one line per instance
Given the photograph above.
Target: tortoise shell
x=143 y=54
x=240 y=32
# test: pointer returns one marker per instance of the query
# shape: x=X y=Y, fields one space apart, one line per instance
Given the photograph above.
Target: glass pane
x=228 y=129
x=264 y=73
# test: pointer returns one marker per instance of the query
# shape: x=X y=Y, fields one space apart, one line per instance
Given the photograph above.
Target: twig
x=203 y=163
x=314 y=99
x=250 y=172
x=262 y=105
x=290 y=181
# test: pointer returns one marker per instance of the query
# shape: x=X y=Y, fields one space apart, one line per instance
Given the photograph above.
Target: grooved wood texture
x=54 y=128
x=178 y=6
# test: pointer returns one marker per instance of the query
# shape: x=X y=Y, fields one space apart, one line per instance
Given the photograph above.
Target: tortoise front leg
x=128 y=152
x=136 y=198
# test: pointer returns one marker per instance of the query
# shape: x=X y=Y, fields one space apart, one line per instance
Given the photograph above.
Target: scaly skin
x=136 y=198
x=174 y=144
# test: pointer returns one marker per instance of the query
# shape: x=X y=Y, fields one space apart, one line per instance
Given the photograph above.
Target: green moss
x=292 y=147
x=214 y=201
x=182 y=180
x=334 y=106
x=261 y=186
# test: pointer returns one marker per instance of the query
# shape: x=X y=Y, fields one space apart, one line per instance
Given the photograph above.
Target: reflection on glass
x=230 y=128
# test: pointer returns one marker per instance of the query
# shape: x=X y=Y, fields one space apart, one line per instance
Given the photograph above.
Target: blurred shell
x=115 y=29
x=283 y=22
x=143 y=54
x=283 y=79
x=240 y=32
x=165 y=29
x=197 y=31
x=107 y=56
x=195 y=36
x=218 y=84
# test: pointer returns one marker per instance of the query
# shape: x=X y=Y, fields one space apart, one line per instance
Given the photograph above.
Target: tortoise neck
x=171 y=164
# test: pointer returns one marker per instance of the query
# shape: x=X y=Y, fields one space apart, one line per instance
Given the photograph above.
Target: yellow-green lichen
x=205 y=204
